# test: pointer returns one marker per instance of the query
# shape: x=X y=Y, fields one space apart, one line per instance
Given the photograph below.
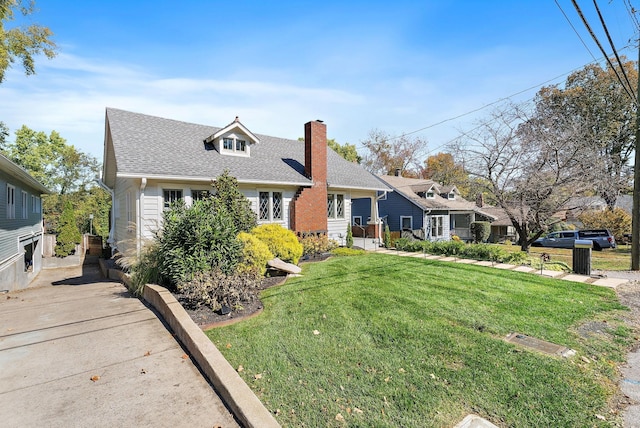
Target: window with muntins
x=11 y=201
x=270 y=206
x=234 y=145
x=431 y=195
x=335 y=205
x=171 y=196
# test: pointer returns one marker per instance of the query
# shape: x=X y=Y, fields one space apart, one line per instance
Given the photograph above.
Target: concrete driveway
x=78 y=350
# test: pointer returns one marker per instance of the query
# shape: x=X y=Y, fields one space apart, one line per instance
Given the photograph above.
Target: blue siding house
x=425 y=208
x=20 y=226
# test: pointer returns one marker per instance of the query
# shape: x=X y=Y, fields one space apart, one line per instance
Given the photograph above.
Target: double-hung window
x=270 y=206
x=171 y=196
x=335 y=205
x=11 y=201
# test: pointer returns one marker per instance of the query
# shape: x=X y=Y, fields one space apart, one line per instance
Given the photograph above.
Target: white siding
x=337 y=228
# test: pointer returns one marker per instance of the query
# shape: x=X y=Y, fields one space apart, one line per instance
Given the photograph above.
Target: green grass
x=609 y=259
x=416 y=343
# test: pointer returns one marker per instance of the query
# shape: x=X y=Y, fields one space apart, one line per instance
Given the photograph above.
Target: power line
x=574 y=30
x=606 y=56
x=615 y=52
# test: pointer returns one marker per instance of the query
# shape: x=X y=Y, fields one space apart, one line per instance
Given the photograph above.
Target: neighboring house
x=149 y=162
x=20 y=226
x=429 y=210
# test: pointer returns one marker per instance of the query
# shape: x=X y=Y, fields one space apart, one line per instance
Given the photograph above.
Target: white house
x=150 y=162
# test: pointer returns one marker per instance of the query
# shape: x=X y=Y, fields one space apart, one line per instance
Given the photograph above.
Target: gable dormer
x=425 y=190
x=450 y=192
x=233 y=140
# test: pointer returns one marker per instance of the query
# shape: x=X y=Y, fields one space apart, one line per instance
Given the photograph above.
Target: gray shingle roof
x=152 y=146
x=409 y=186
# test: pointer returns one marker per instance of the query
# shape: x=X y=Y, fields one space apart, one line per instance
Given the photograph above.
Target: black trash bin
x=582 y=256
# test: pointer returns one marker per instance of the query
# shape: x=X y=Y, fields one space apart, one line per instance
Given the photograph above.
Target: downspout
x=110 y=240
x=140 y=214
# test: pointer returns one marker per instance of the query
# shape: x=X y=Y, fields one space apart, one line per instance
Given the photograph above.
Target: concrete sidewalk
x=77 y=350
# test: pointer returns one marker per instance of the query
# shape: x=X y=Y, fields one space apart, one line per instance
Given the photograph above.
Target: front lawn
x=609 y=259
x=387 y=341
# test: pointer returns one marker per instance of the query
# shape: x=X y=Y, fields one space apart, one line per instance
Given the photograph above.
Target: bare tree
x=527 y=165
x=386 y=154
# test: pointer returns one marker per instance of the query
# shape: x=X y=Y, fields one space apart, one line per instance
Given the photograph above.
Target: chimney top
x=398 y=172
x=237 y=119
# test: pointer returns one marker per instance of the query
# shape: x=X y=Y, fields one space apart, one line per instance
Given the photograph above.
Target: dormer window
x=452 y=196
x=233 y=139
x=430 y=195
x=234 y=145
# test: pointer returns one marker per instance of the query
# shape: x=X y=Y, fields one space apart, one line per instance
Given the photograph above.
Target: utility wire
x=595 y=39
x=615 y=52
x=575 y=31
x=632 y=14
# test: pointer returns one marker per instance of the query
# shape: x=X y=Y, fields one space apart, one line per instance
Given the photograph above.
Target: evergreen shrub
x=283 y=243
x=255 y=254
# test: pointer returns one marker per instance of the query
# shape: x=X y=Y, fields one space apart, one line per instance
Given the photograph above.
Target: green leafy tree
x=346 y=150
x=480 y=231
x=22 y=43
x=69 y=236
x=239 y=207
x=50 y=160
x=595 y=108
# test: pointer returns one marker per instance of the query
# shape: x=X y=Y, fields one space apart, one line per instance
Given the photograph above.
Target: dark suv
x=601 y=238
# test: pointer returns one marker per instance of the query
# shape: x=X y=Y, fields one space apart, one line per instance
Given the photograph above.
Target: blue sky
x=358 y=65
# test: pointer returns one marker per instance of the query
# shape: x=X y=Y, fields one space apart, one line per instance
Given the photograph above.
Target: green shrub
x=282 y=242
x=516 y=258
x=480 y=231
x=386 y=240
x=483 y=252
x=314 y=243
x=68 y=236
x=216 y=289
x=237 y=205
x=346 y=251
x=255 y=255
x=196 y=239
x=349 y=236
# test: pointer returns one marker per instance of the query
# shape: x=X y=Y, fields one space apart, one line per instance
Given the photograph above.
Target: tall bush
x=480 y=231
x=282 y=242
x=387 y=237
x=68 y=234
x=618 y=221
x=195 y=239
x=237 y=205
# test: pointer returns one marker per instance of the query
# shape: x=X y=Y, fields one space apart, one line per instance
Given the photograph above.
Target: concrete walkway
x=77 y=350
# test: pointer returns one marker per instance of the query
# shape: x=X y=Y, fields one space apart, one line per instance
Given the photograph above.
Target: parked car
x=601 y=238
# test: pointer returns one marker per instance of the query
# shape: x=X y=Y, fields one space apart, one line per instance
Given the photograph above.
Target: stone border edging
x=244 y=404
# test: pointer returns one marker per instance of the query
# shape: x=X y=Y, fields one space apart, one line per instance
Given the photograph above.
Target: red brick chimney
x=309 y=207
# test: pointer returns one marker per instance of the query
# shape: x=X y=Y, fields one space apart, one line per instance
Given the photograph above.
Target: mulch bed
x=207 y=318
